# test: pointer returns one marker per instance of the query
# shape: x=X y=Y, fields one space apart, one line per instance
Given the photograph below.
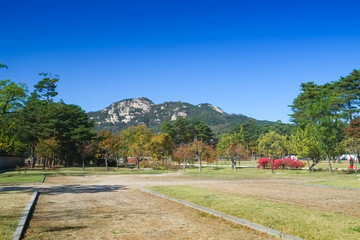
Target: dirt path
x=315 y=197
x=122 y=212
x=111 y=207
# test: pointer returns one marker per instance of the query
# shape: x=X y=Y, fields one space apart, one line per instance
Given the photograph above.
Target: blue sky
x=246 y=57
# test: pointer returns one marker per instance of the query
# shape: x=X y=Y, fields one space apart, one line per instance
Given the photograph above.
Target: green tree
x=272 y=145
x=12 y=96
x=305 y=143
x=349 y=89
x=321 y=107
x=46 y=88
x=184 y=131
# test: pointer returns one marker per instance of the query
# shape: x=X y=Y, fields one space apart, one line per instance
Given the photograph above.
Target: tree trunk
x=356 y=162
x=308 y=163
x=117 y=163
x=199 y=160
x=329 y=162
x=106 y=164
x=272 y=166
x=137 y=163
x=83 y=164
x=234 y=165
x=184 y=167
x=32 y=155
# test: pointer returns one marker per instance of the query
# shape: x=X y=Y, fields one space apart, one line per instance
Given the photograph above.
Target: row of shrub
x=283 y=163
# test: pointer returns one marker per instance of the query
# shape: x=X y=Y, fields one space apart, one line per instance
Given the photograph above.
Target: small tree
x=198 y=148
x=230 y=147
x=273 y=145
x=106 y=144
x=184 y=153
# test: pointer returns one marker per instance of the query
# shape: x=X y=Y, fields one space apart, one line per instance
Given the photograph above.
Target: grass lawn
x=12 y=205
x=338 y=178
x=295 y=220
x=15 y=177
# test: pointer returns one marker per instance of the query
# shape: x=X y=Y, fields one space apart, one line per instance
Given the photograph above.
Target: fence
x=11 y=162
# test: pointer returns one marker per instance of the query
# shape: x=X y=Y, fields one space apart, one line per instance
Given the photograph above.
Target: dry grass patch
x=12 y=205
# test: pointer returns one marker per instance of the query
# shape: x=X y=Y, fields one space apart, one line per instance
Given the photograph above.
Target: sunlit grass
x=337 y=178
x=290 y=219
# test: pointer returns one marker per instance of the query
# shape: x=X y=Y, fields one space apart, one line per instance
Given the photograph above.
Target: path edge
x=25 y=217
x=230 y=218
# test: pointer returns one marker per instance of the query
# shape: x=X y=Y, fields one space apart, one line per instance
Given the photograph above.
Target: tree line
x=325 y=118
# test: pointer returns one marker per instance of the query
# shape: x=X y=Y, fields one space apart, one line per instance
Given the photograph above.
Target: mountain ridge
x=132 y=111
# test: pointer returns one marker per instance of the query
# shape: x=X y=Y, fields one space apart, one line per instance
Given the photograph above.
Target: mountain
x=122 y=114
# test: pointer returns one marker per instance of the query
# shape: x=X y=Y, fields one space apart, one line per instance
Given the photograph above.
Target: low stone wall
x=11 y=162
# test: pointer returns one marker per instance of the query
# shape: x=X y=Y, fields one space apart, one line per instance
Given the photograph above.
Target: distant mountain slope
x=122 y=114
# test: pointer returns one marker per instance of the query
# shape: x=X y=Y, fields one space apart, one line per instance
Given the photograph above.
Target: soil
x=111 y=207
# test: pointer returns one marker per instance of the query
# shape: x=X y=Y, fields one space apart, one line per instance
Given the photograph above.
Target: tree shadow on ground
x=66 y=228
x=66 y=189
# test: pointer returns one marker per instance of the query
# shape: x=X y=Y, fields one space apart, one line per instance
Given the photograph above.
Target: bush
x=283 y=163
x=263 y=162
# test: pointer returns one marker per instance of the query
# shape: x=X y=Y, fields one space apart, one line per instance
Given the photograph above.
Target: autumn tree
x=161 y=146
x=231 y=146
x=136 y=139
x=47 y=150
x=199 y=149
x=184 y=153
x=106 y=144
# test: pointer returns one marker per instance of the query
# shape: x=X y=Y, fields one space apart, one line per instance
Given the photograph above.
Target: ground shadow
x=53 y=190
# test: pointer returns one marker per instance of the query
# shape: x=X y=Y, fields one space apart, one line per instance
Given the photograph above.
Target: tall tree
x=46 y=88
x=320 y=106
x=349 y=89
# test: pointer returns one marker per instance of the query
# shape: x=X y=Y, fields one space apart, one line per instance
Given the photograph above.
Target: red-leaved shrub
x=263 y=162
x=284 y=163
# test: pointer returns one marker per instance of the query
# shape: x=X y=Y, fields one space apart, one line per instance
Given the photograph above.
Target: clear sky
x=246 y=57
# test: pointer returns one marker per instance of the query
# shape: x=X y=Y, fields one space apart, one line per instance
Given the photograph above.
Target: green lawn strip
x=15 y=177
x=294 y=220
x=12 y=205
